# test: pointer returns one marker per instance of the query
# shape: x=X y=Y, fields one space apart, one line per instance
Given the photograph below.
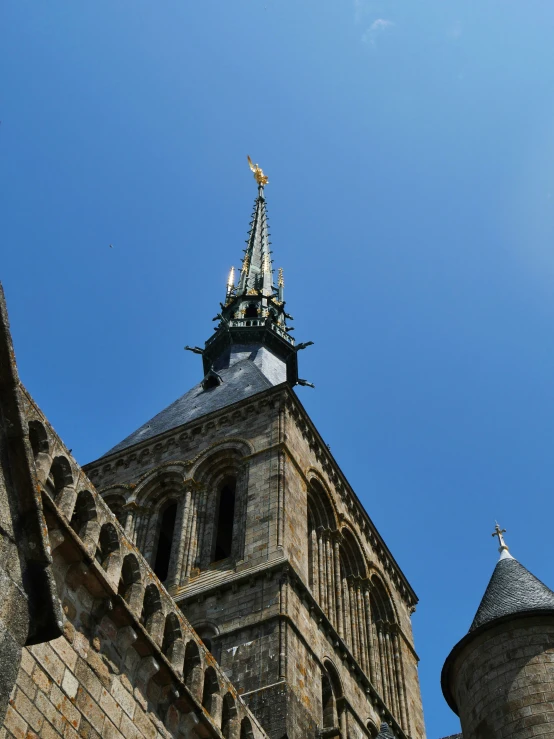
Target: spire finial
x=259 y=175
x=280 y=285
x=498 y=532
x=230 y=281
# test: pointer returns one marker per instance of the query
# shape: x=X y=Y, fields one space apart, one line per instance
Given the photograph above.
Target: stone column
x=382 y=663
x=397 y=647
x=338 y=584
x=191 y=536
x=361 y=628
x=314 y=572
x=329 y=576
x=369 y=629
x=346 y=611
x=179 y=542
x=128 y=520
x=390 y=674
x=321 y=567
x=353 y=619
x=342 y=722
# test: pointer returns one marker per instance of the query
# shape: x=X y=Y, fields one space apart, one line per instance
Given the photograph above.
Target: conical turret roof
x=512 y=592
x=512 y=589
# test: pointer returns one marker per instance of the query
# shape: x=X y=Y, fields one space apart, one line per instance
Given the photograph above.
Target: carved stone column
x=346 y=611
x=390 y=672
x=329 y=576
x=361 y=627
x=192 y=535
x=321 y=567
x=179 y=542
x=369 y=630
x=400 y=678
x=129 y=512
x=314 y=564
x=338 y=584
x=354 y=618
x=382 y=663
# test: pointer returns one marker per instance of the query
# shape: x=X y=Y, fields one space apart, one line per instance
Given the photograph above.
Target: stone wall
x=29 y=609
x=277 y=457
x=128 y=663
x=503 y=681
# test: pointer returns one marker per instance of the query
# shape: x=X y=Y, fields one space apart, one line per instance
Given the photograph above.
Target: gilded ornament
x=259 y=175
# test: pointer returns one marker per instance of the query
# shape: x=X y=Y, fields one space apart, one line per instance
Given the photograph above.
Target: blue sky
x=410 y=150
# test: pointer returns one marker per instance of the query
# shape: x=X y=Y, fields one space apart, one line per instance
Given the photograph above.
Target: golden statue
x=259 y=175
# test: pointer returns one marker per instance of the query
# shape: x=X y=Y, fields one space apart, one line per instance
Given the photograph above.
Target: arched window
x=251 y=311
x=328 y=703
x=228 y=716
x=388 y=650
x=332 y=701
x=108 y=543
x=84 y=520
x=355 y=600
x=173 y=646
x=130 y=586
x=225 y=515
x=246 y=729
x=322 y=572
x=38 y=438
x=192 y=669
x=59 y=478
x=165 y=539
x=211 y=689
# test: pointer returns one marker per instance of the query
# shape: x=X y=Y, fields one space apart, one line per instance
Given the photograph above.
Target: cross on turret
x=498 y=532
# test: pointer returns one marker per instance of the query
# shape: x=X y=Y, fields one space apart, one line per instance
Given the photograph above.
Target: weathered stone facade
x=128 y=664
x=29 y=610
x=503 y=680
x=296 y=605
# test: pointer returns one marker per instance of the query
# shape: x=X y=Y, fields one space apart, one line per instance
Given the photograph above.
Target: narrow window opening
x=163 y=552
x=328 y=703
x=35 y=441
x=251 y=311
x=225 y=518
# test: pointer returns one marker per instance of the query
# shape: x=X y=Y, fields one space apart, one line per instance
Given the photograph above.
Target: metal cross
x=498 y=532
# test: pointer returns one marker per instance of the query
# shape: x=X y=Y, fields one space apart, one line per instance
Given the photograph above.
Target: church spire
x=253 y=315
x=257 y=272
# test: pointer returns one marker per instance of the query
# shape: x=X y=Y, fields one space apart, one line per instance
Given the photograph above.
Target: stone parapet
x=128 y=663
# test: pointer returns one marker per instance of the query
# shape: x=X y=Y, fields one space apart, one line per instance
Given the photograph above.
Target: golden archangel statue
x=259 y=175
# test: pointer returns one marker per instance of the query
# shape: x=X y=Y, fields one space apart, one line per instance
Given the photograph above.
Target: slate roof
x=512 y=589
x=240 y=380
x=385 y=732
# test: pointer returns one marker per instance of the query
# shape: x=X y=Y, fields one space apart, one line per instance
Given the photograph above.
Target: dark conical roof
x=512 y=589
x=250 y=373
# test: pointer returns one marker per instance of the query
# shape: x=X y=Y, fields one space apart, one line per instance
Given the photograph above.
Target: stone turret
x=499 y=678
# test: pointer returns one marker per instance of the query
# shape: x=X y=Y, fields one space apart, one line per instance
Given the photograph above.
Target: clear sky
x=410 y=150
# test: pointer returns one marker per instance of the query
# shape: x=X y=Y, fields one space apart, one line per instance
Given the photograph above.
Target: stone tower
x=499 y=678
x=238 y=505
